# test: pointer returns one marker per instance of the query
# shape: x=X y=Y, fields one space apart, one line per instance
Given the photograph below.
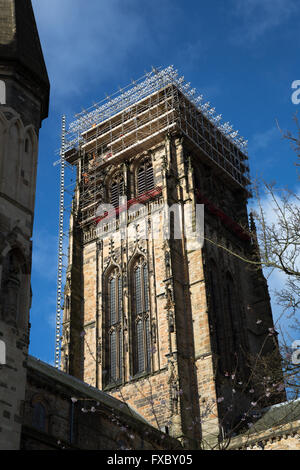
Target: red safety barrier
x=152 y=193
x=226 y=220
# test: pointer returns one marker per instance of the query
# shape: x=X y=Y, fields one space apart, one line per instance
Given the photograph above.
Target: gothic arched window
x=114 y=334
x=145 y=177
x=217 y=321
x=116 y=190
x=13 y=288
x=141 y=341
x=235 y=336
x=39 y=416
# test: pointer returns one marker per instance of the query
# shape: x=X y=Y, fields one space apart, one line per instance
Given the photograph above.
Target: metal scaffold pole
x=60 y=245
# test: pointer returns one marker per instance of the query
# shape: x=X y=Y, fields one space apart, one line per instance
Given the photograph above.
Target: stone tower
x=169 y=325
x=24 y=96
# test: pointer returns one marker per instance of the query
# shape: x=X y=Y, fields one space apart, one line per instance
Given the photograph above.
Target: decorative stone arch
x=17 y=121
x=15 y=239
x=67 y=303
x=13 y=160
x=28 y=164
x=137 y=160
x=15 y=287
x=30 y=134
x=111 y=263
x=139 y=314
x=113 y=325
x=116 y=174
x=112 y=171
x=137 y=252
x=108 y=272
x=40 y=413
x=111 y=269
x=65 y=354
x=136 y=166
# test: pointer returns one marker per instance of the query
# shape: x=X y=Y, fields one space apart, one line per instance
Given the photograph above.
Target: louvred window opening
x=145 y=179
x=116 y=193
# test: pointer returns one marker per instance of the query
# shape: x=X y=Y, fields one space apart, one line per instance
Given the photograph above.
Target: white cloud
x=258 y=17
x=262 y=140
x=84 y=41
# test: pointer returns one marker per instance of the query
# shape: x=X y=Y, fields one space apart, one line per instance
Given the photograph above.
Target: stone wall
x=278 y=428
x=12 y=386
x=18 y=148
x=285 y=437
x=61 y=412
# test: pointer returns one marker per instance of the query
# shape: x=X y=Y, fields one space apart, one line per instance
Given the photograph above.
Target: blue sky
x=242 y=55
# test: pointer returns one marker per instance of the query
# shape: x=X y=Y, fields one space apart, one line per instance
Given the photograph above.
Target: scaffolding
x=67 y=182
x=135 y=119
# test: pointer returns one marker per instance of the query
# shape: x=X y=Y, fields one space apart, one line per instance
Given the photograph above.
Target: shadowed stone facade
x=278 y=428
x=62 y=412
x=24 y=99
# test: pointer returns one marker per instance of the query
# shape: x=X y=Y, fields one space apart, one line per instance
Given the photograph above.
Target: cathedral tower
x=24 y=96
x=154 y=314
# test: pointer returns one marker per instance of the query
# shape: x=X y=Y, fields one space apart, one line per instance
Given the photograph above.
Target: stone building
x=24 y=96
x=62 y=412
x=157 y=323
x=151 y=309
x=276 y=428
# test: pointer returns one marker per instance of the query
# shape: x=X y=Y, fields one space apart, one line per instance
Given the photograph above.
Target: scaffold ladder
x=60 y=246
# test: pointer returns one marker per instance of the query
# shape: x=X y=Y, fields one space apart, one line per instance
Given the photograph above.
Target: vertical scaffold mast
x=60 y=244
